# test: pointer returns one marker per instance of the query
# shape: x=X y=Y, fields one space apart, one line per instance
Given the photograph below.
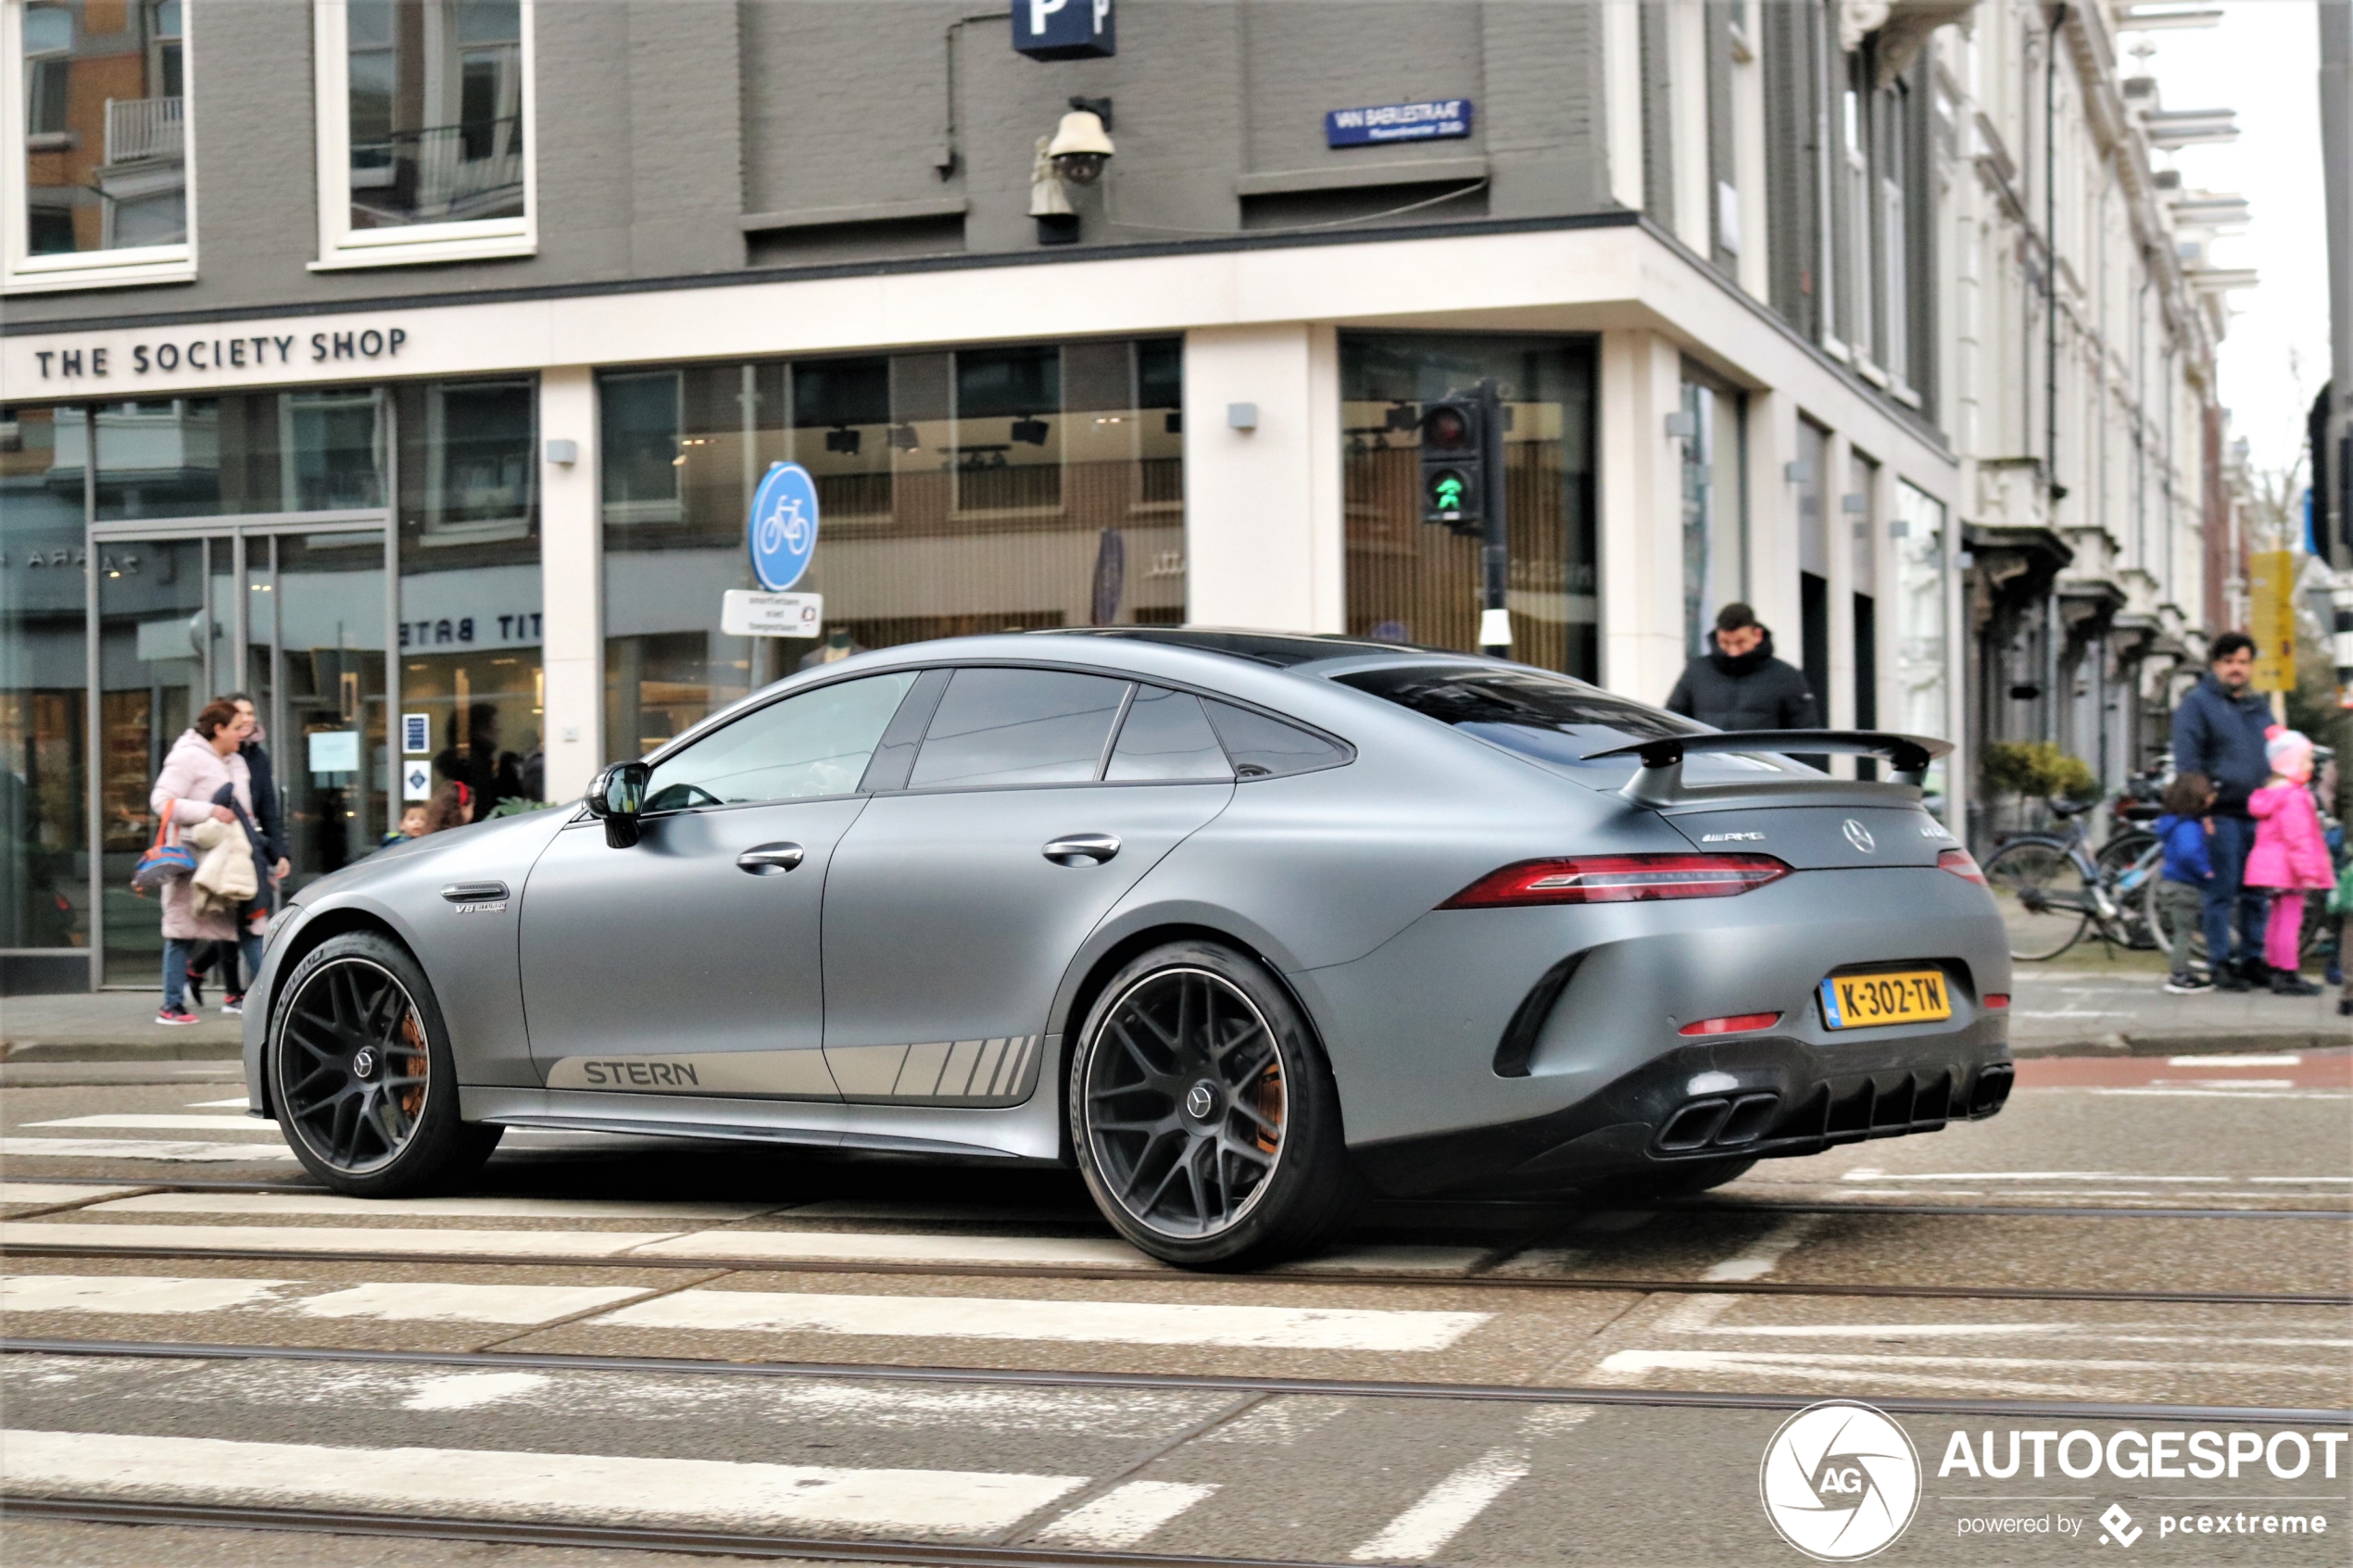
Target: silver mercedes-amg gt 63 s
x=1244 y=925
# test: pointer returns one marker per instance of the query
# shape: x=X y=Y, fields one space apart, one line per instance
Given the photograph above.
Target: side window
x=1018 y=727
x=1168 y=737
x=811 y=744
x=1264 y=749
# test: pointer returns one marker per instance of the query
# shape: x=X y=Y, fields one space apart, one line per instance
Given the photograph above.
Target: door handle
x=770 y=860
x=1081 y=848
x=474 y=892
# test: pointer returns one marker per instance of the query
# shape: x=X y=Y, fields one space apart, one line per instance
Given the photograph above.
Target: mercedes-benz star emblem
x=363 y=1062
x=1199 y=1100
x=1858 y=835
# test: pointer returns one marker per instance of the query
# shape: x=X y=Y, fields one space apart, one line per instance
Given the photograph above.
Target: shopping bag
x=165 y=859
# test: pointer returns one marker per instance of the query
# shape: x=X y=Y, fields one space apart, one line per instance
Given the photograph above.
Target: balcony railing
x=442 y=172
x=140 y=128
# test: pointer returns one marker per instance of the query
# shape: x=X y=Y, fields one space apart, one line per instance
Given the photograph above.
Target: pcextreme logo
x=1840 y=1481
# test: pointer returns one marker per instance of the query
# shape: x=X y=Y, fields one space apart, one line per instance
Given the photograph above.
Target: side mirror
x=618 y=796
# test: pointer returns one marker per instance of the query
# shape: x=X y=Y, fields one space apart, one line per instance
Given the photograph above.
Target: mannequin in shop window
x=489 y=774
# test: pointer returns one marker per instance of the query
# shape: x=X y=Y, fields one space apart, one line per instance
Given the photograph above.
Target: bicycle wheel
x=2040 y=892
x=2120 y=855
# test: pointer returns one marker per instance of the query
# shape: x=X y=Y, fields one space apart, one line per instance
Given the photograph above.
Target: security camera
x=1082 y=143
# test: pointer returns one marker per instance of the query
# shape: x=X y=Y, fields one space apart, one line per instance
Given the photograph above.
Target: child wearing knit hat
x=2290 y=855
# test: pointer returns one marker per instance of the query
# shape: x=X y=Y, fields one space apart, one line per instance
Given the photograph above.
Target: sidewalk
x=2087 y=1004
x=112 y=1025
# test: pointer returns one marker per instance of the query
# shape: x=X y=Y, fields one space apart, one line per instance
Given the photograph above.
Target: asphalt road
x=620 y=1346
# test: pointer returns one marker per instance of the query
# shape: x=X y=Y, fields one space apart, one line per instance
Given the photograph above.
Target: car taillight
x=1739 y=1023
x=1619 y=879
x=1962 y=864
x=1994 y=1001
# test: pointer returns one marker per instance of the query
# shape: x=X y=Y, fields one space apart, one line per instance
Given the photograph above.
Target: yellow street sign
x=2272 y=608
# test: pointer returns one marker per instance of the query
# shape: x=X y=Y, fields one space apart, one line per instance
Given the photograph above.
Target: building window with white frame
x=424 y=130
x=1855 y=265
x=93 y=118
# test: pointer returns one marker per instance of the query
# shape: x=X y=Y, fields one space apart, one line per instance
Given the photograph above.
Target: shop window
x=94 y=116
x=1814 y=560
x=1410 y=582
x=1923 y=670
x=640 y=443
x=44 y=883
x=469 y=630
x=424 y=130
x=239 y=454
x=1008 y=453
x=1714 y=505
x=980 y=490
x=479 y=474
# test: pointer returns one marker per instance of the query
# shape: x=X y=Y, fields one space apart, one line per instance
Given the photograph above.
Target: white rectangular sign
x=745 y=612
x=416 y=732
x=416 y=781
x=334 y=751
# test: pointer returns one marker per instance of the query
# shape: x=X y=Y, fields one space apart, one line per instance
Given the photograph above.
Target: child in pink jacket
x=2290 y=857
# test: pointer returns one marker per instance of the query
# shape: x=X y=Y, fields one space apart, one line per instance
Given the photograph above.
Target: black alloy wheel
x=1205 y=1121
x=365 y=1089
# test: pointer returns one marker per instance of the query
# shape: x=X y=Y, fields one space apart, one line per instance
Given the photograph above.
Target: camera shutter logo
x=782 y=529
x=1840 y=1481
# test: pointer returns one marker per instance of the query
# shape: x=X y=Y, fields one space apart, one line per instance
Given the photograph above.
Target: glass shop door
x=295 y=618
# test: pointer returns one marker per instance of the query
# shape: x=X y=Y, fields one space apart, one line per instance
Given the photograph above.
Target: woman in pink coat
x=202 y=761
x=2290 y=857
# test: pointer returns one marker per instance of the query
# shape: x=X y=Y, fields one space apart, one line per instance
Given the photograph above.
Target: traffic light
x=1453 y=465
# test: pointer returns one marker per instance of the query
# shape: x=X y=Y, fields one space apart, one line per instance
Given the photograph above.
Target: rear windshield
x=1551 y=718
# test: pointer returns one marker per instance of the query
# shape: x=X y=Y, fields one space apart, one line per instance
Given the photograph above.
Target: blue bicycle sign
x=782 y=529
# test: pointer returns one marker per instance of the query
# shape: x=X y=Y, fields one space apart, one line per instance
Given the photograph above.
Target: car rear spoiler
x=1659 y=781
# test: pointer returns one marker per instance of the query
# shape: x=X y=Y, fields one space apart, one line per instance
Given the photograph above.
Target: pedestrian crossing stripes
x=576 y=1486
x=172 y=1150
x=745 y=1312
x=442 y=1208
x=1132 y=1323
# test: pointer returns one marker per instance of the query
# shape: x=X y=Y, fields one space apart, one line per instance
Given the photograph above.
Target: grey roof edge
x=1608 y=218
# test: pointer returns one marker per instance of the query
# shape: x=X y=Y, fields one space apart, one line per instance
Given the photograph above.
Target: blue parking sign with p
x=782 y=529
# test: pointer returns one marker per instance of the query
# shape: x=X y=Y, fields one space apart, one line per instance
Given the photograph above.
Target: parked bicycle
x=2052 y=887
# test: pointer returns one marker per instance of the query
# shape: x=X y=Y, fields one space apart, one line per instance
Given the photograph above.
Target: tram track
x=1331 y=1387
x=139 y=1186
x=1536 y=1283
x=704 y=1543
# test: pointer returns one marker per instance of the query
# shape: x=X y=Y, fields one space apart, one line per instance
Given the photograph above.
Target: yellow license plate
x=1861 y=1001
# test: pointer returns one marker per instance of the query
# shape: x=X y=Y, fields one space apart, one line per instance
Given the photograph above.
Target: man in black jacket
x=1742 y=685
x=2218 y=731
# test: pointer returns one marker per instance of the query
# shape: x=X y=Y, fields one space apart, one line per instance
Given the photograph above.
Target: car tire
x=363 y=1078
x=1204 y=1113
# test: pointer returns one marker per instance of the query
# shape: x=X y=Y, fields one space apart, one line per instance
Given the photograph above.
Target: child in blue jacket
x=2181 y=889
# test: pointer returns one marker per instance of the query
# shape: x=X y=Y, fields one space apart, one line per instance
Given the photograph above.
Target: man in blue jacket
x=2218 y=731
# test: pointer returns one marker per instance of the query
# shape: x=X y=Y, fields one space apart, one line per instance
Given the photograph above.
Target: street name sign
x=1383 y=123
